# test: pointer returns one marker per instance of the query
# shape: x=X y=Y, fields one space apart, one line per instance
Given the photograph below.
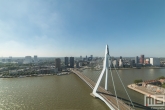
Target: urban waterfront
x=67 y=91
x=58 y=54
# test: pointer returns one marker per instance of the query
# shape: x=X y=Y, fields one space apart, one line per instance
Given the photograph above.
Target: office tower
x=81 y=58
x=136 y=60
x=58 y=63
x=132 y=63
x=77 y=64
x=27 y=60
x=155 y=61
x=71 y=62
x=80 y=64
x=114 y=62
x=66 y=61
x=91 y=57
x=142 y=59
x=147 y=61
x=35 y=59
x=120 y=57
x=120 y=63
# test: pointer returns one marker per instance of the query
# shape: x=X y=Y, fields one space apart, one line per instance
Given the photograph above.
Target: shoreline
x=133 y=68
x=140 y=68
x=24 y=76
x=35 y=75
x=144 y=91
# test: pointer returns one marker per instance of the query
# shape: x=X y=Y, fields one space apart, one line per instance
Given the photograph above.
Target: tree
x=138 y=81
x=163 y=85
x=161 y=77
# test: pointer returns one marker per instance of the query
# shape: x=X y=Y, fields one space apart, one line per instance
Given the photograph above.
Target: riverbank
x=35 y=75
x=22 y=76
x=141 y=68
x=96 y=69
x=144 y=91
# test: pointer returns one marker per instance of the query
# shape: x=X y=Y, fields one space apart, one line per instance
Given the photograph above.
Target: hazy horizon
x=82 y=27
x=82 y=56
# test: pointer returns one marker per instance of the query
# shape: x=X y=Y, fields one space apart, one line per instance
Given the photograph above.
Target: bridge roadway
x=109 y=97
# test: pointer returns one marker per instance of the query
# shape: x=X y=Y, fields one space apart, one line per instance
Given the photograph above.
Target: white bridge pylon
x=105 y=68
x=106 y=65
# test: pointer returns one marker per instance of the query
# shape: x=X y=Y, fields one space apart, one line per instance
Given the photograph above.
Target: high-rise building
x=91 y=57
x=35 y=59
x=120 y=63
x=71 y=62
x=147 y=61
x=77 y=64
x=114 y=62
x=81 y=58
x=80 y=64
x=142 y=59
x=66 y=61
x=132 y=63
x=27 y=60
x=155 y=61
x=120 y=57
x=58 y=63
x=136 y=60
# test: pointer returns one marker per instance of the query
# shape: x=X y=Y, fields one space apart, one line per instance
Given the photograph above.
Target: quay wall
x=152 y=95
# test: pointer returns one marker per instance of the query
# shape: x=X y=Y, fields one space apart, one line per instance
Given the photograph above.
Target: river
x=67 y=92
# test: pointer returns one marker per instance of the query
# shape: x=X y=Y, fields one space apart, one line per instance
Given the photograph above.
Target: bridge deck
x=109 y=97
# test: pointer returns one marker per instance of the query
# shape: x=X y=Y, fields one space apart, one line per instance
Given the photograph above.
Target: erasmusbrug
x=106 y=68
x=111 y=100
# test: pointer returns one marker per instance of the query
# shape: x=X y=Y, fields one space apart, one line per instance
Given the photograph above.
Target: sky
x=59 y=28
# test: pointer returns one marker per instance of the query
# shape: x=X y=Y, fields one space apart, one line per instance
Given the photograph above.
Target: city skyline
x=79 y=28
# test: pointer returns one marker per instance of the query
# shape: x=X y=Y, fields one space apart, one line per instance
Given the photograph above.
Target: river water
x=128 y=76
x=67 y=92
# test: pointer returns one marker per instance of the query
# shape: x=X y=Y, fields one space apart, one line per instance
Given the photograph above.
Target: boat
x=59 y=74
x=22 y=76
